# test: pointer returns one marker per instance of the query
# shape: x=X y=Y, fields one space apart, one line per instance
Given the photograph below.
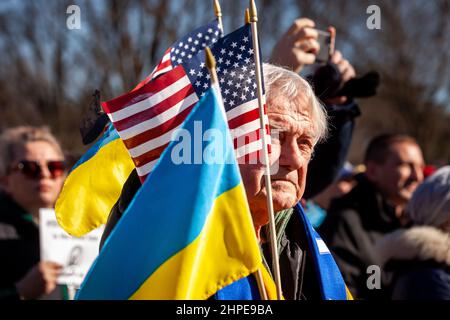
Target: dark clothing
x=330 y=155
x=19 y=245
x=299 y=280
x=421 y=280
x=351 y=228
x=419 y=258
x=129 y=189
x=19 y=249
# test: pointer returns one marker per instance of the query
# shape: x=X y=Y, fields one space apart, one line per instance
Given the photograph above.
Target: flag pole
x=211 y=65
x=218 y=13
x=247 y=16
x=272 y=239
x=260 y=282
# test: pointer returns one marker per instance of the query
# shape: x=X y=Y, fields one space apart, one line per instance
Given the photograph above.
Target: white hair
x=292 y=86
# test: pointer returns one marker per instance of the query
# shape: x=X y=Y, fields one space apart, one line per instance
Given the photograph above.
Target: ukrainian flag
x=93 y=185
x=188 y=231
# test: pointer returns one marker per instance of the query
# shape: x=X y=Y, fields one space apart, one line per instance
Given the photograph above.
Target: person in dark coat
x=32 y=172
x=419 y=257
x=373 y=208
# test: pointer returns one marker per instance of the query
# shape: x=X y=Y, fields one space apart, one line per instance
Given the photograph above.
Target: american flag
x=146 y=118
x=186 y=48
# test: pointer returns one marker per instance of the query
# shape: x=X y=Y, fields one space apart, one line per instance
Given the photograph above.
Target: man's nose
x=416 y=173
x=291 y=156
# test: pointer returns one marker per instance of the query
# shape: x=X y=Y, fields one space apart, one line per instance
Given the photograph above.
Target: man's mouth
x=411 y=185
x=285 y=181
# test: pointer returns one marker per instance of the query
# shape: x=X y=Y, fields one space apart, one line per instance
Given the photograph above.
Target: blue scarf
x=332 y=285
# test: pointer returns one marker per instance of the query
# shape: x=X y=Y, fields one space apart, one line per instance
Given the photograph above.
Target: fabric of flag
x=146 y=117
x=185 y=48
x=331 y=282
x=247 y=288
x=93 y=185
x=235 y=61
x=188 y=231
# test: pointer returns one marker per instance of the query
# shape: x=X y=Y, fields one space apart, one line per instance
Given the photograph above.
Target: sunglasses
x=33 y=169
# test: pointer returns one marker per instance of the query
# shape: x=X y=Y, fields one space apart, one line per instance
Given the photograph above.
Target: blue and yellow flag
x=188 y=231
x=94 y=185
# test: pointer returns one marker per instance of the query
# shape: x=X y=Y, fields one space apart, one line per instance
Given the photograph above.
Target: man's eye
x=305 y=145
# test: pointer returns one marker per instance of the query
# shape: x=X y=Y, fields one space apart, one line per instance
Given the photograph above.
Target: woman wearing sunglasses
x=32 y=172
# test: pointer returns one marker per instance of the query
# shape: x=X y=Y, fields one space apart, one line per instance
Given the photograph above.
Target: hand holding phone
x=326 y=40
x=297 y=47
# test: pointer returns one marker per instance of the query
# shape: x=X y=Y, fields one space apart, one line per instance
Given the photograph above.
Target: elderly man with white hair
x=420 y=256
x=300 y=120
x=308 y=270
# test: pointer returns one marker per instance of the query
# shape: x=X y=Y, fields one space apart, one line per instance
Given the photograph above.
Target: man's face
x=41 y=190
x=400 y=174
x=291 y=152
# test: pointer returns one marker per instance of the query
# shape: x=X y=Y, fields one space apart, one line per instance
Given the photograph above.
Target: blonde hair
x=15 y=138
x=292 y=86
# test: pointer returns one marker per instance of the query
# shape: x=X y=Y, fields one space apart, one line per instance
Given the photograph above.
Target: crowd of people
x=382 y=213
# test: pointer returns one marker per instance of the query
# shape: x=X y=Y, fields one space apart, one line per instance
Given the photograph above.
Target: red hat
x=428 y=170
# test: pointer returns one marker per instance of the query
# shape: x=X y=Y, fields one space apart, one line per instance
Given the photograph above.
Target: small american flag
x=146 y=118
x=186 y=48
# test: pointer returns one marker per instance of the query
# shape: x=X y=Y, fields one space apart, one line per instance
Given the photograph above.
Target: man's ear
x=371 y=171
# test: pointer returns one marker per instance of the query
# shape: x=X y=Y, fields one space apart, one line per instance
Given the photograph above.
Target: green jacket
x=19 y=248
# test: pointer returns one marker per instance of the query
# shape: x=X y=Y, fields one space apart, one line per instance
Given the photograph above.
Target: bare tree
x=48 y=72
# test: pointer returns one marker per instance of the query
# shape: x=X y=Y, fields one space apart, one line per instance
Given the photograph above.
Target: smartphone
x=326 y=41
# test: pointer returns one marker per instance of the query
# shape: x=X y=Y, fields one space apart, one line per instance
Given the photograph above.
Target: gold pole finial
x=247 y=16
x=210 y=60
x=253 y=12
x=217 y=9
x=218 y=13
x=211 y=65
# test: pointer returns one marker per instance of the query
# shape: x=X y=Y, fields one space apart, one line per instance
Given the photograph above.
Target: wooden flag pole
x=273 y=236
x=247 y=16
x=218 y=13
x=211 y=65
x=260 y=282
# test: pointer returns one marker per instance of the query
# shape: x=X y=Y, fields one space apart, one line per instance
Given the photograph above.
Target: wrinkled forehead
x=281 y=109
x=278 y=101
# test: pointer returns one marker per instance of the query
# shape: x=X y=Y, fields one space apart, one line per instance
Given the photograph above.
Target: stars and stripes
x=146 y=118
x=186 y=48
x=236 y=72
